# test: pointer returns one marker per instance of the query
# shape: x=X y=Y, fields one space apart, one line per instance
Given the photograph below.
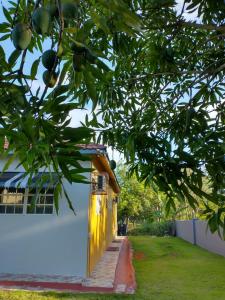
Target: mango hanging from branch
x=50 y=78
x=41 y=21
x=21 y=36
x=49 y=58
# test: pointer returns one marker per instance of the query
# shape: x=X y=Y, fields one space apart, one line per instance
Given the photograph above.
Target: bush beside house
x=154 y=229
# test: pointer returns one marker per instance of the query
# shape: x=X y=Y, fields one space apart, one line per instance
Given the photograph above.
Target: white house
x=35 y=240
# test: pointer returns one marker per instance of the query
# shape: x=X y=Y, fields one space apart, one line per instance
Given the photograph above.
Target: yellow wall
x=102 y=225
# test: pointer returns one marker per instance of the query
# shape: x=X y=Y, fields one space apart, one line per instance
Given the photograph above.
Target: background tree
x=138 y=203
x=155 y=80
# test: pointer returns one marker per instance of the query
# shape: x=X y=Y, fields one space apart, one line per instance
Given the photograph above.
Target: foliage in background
x=141 y=205
x=154 y=229
x=137 y=203
x=154 y=78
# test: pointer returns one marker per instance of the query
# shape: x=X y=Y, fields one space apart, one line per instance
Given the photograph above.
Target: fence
x=196 y=232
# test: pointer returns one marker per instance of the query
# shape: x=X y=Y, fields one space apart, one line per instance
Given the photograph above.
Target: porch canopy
x=24 y=180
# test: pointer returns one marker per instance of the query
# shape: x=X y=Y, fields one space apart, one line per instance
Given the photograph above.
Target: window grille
x=99 y=183
x=30 y=201
x=41 y=202
x=19 y=193
x=11 y=200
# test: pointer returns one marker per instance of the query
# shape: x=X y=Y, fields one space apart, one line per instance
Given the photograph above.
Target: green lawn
x=166 y=269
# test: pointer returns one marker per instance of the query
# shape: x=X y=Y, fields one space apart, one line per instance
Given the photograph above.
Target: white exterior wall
x=47 y=244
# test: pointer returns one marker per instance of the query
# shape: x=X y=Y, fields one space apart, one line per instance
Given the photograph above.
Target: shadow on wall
x=196 y=232
x=43 y=226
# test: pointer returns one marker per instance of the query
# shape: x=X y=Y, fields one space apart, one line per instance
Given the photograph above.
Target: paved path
x=113 y=273
x=104 y=272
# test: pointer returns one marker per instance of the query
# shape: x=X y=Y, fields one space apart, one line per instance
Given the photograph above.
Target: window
x=99 y=183
x=18 y=201
x=17 y=196
x=11 y=200
x=40 y=202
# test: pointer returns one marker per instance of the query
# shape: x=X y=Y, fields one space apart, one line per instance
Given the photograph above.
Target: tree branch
x=209 y=27
x=16 y=13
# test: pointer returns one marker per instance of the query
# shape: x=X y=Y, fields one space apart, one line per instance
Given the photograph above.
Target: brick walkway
x=104 y=272
x=113 y=273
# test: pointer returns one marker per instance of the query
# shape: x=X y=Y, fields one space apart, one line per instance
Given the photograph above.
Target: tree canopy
x=155 y=79
x=138 y=203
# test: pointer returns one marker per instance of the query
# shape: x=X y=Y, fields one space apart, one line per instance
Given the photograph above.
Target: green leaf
x=191 y=200
x=57 y=193
x=90 y=85
x=169 y=204
x=7 y=15
x=2 y=53
x=34 y=68
x=5 y=37
x=100 y=22
x=13 y=57
x=69 y=201
x=64 y=72
x=4 y=27
x=9 y=162
x=213 y=223
x=202 y=194
x=59 y=90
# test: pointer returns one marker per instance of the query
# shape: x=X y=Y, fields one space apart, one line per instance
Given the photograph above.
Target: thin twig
x=16 y=13
x=20 y=71
x=59 y=43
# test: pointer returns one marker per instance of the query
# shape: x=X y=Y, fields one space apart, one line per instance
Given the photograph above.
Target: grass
x=166 y=269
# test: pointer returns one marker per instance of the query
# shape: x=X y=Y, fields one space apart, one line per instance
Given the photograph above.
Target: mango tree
x=154 y=78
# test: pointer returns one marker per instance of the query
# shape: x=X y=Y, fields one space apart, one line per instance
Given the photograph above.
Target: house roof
x=92 y=146
x=101 y=160
x=23 y=180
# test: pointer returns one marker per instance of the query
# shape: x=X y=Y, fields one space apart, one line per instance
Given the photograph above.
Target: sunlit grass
x=166 y=269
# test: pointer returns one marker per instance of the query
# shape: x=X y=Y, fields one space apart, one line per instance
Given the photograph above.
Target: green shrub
x=156 y=229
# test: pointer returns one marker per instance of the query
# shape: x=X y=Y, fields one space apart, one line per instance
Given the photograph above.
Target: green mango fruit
x=50 y=79
x=53 y=10
x=48 y=59
x=41 y=20
x=21 y=36
x=79 y=62
x=79 y=48
x=112 y=164
x=69 y=10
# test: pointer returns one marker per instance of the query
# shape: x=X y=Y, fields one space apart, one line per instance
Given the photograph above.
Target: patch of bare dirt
x=139 y=255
